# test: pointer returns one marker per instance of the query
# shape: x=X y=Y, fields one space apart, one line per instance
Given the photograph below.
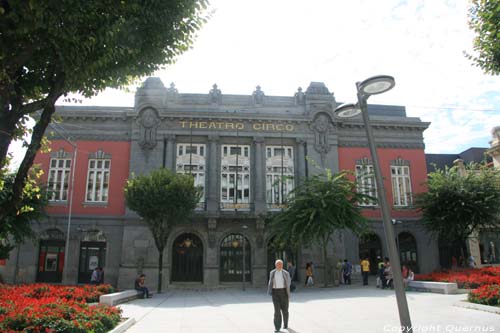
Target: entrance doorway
x=408 y=250
x=370 y=246
x=92 y=255
x=231 y=259
x=51 y=256
x=187 y=259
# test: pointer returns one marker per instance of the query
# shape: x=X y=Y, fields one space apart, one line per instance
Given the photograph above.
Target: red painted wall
x=120 y=157
x=418 y=173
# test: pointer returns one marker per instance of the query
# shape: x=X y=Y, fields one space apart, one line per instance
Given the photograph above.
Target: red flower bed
x=468 y=278
x=485 y=283
x=487 y=295
x=50 y=309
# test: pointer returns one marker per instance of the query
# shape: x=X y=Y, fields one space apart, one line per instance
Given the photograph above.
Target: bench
x=119 y=297
x=435 y=287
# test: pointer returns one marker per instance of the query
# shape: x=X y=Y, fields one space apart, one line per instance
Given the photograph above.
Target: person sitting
x=140 y=286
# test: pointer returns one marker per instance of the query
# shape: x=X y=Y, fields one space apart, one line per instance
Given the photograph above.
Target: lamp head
x=347 y=110
x=376 y=85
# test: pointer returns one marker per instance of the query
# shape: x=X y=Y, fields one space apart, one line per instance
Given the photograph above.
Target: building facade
x=247 y=152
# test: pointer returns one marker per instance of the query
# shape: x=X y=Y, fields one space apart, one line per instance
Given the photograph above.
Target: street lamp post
x=373 y=86
x=244 y=227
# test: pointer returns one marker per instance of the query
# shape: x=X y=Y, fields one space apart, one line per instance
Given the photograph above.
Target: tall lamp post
x=373 y=86
x=244 y=227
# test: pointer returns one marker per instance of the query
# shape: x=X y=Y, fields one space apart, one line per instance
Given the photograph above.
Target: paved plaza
x=341 y=309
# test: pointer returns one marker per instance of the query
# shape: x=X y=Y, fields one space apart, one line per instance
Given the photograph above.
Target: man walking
x=279 y=289
x=365 y=270
x=346 y=271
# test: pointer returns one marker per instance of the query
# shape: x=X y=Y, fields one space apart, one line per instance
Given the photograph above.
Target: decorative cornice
x=382 y=145
x=61 y=153
x=400 y=162
x=99 y=155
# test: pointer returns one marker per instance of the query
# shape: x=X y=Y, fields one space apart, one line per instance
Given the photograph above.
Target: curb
x=123 y=326
x=480 y=307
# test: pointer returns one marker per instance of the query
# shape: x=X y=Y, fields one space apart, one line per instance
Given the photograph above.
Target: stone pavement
x=341 y=309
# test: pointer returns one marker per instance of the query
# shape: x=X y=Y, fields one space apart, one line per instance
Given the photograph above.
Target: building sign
x=228 y=125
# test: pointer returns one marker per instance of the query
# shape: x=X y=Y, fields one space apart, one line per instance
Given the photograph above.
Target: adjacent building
x=247 y=152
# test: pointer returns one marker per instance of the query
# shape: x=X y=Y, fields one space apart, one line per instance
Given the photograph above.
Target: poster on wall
x=93 y=262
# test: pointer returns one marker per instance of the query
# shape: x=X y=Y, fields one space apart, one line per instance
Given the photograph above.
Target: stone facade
x=148 y=136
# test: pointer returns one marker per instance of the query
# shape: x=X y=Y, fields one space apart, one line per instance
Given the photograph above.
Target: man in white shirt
x=279 y=289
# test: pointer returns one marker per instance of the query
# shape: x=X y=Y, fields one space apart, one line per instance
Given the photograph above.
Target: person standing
x=365 y=270
x=388 y=273
x=279 y=288
x=346 y=271
x=95 y=277
x=380 y=273
x=309 y=275
x=339 y=272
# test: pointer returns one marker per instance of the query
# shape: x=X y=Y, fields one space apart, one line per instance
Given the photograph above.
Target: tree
x=317 y=208
x=484 y=20
x=53 y=47
x=162 y=199
x=15 y=227
x=459 y=203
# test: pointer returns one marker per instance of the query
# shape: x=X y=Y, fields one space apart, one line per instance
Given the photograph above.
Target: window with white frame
x=279 y=174
x=98 y=180
x=401 y=185
x=235 y=176
x=191 y=159
x=365 y=183
x=58 y=181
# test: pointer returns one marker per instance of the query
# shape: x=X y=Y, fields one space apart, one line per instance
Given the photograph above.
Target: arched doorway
x=408 y=250
x=92 y=254
x=274 y=252
x=187 y=259
x=370 y=246
x=51 y=256
x=231 y=259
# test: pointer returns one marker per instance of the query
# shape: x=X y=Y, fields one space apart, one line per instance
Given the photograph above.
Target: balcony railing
x=236 y=206
x=276 y=206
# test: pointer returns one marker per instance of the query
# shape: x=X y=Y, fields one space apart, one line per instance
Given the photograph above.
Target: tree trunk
x=325 y=261
x=27 y=163
x=160 y=270
x=8 y=121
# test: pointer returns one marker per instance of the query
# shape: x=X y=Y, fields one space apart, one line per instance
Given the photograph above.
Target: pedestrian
x=141 y=286
x=346 y=271
x=408 y=275
x=100 y=276
x=309 y=275
x=279 y=288
x=380 y=273
x=388 y=274
x=365 y=270
x=339 y=272
x=94 y=278
x=291 y=272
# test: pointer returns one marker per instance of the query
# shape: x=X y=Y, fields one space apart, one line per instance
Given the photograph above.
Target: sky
x=283 y=44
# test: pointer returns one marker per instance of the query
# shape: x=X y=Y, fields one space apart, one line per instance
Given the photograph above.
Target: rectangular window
x=191 y=160
x=365 y=183
x=279 y=175
x=98 y=180
x=401 y=186
x=235 y=177
x=58 y=181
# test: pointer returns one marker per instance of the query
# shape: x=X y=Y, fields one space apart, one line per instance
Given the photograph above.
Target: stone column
x=170 y=158
x=301 y=159
x=260 y=177
x=212 y=181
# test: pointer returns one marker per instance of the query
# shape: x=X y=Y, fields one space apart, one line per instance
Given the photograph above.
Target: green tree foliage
x=459 y=203
x=317 y=208
x=484 y=20
x=53 y=47
x=162 y=199
x=16 y=226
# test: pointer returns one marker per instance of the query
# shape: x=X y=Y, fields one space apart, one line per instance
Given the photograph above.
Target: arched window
x=51 y=256
x=231 y=258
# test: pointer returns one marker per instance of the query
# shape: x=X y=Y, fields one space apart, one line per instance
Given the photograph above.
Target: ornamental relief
x=322 y=127
x=148 y=122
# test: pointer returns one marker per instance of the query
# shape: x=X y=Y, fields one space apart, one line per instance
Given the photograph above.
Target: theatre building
x=247 y=152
